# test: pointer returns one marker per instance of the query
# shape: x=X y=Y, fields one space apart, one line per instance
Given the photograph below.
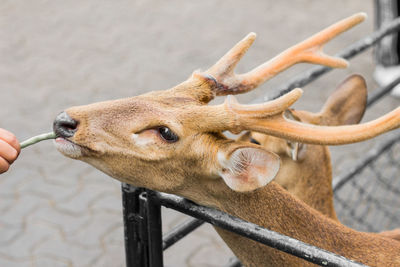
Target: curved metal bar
x=254 y=232
x=180 y=232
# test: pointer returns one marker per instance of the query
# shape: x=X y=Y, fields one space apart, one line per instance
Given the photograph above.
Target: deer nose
x=64 y=125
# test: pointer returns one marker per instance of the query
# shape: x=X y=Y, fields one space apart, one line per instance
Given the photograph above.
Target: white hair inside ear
x=248 y=168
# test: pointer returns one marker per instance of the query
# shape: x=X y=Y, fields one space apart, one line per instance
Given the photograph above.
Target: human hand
x=9 y=149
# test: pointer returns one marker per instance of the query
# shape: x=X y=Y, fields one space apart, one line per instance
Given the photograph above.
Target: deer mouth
x=68 y=148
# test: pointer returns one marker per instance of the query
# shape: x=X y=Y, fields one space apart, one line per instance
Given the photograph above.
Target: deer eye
x=167 y=134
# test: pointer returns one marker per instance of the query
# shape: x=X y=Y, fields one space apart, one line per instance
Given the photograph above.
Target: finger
x=4 y=165
x=10 y=138
x=7 y=151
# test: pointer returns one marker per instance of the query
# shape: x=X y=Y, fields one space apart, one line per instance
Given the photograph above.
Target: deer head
x=177 y=139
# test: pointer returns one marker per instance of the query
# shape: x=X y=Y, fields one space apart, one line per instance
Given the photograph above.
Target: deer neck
x=310 y=179
x=275 y=209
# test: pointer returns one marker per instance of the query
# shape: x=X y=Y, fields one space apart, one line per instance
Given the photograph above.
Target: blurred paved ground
x=55 y=54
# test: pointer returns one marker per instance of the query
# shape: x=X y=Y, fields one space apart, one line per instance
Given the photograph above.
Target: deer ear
x=247 y=168
x=347 y=103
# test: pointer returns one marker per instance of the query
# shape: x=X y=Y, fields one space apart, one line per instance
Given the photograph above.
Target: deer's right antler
x=226 y=82
x=269 y=118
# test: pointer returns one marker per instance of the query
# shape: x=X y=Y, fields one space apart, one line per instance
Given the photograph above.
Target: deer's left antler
x=226 y=82
x=269 y=118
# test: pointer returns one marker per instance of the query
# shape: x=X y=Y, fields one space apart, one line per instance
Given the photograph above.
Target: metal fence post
x=154 y=230
x=386 y=51
x=135 y=247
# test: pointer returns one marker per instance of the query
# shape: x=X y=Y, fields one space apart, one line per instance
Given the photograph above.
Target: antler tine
x=267 y=109
x=309 y=51
x=229 y=61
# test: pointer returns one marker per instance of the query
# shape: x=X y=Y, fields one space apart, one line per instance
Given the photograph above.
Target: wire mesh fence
x=369 y=199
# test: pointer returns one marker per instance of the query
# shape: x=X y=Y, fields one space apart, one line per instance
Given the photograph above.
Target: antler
x=310 y=51
x=269 y=118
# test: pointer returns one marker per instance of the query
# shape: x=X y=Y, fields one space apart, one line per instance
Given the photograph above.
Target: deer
x=172 y=141
x=306 y=170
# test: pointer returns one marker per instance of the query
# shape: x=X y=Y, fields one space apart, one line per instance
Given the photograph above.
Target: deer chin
x=68 y=148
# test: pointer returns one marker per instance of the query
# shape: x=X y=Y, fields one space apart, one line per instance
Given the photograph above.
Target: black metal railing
x=144 y=242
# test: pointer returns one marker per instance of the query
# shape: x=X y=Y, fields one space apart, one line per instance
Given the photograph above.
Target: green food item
x=38 y=138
